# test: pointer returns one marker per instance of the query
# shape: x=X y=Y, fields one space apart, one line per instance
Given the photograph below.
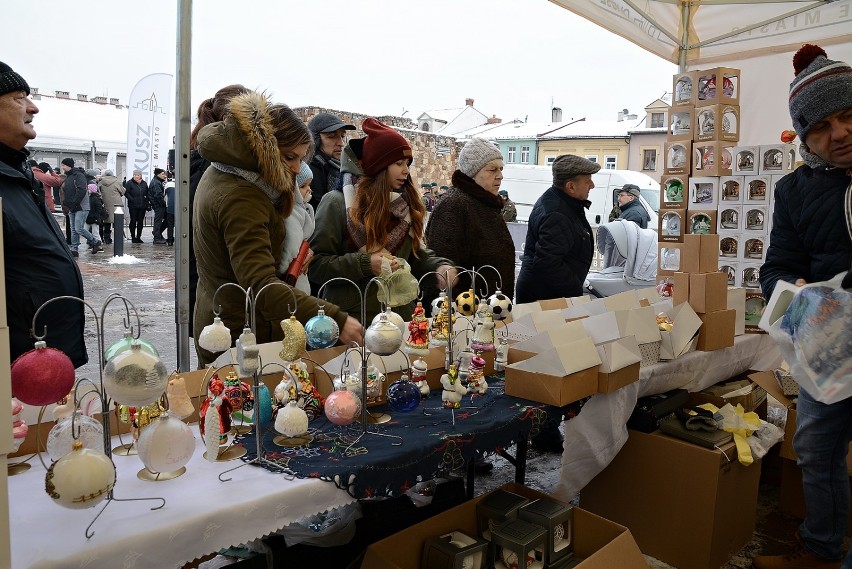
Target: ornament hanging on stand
x=467 y=303
x=42 y=375
x=418 y=376
x=292 y=422
x=295 y=339
x=322 y=331
x=81 y=479
x=342 y=407
x=500 y=304
x=215 y=337
x=392 y=317
x=248 y=353
x=476 y=376
x=124 y=344
x=239 y=394
x=215 y=423
x=403 y=395
x=80 y=427
x=483 y=334
x=417 y=343
x=454 y=389
x=383 y=338
x=135 y=377
x=180 y=404
x=165 y=448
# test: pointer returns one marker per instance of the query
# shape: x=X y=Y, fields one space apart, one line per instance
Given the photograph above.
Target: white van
x=525 y=185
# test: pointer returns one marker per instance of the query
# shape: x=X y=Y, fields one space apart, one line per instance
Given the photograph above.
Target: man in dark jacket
x=157 y=200
x=38 y=263
x=559 y=246
x=136 y=194
x=810 y=242
x=630 y=207
x=330 y=137
x=77 y=201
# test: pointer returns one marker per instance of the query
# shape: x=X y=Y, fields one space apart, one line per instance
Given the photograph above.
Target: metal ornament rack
x=99 y=387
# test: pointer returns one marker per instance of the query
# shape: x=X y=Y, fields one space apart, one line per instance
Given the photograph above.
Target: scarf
x=400 y=221
x=252 y=177
x=298 y=227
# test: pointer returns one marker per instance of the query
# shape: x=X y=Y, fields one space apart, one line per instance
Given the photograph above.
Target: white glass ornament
x=166 y=445
x=248 y=353
x=291 y=420
x=135 y=377
x=60 y=439
x=393 y=318
x=215 y=337
x=80 y=479
x=383 y=338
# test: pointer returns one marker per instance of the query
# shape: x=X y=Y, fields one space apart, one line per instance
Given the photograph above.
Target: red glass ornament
x=42 y=376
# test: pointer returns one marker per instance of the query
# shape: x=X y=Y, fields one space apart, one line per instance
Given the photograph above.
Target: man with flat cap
x=559 y=246
x=630 y=206
x=38 y=263
x=329 y=133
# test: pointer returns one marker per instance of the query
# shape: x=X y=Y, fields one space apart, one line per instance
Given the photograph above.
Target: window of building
x=550 y=160
x=610 y=162
x=525 y=154
x=512 y=151
x=657 y=120
x=649 y=159
x=592 y=157
x=424 y=127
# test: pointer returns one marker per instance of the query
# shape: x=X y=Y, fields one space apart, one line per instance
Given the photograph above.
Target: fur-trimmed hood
x=246 y=140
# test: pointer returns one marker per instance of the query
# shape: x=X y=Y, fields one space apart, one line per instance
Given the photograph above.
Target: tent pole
x=182 y=128
x=686 y=8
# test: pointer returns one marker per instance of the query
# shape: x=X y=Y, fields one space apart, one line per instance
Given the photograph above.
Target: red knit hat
x=382 y=147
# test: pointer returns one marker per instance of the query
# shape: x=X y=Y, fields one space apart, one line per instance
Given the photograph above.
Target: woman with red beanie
x=379 y=218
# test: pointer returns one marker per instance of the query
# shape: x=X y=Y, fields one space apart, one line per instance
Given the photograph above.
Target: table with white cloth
x=202 y=515
x=597 y=433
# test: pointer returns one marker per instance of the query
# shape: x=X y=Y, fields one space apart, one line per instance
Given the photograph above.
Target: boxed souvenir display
x=703 y=192
x=716 y=122
x=682 y=121
x=755 y=304
x=681 y=288
x=776 y=159
x=717 y=330
x=517 y=543
x=731 y=190
x=652 y=410
x=684 y=93
x=729 y=217
x=718 y=85
x=557 y=520
x=672 y=225
x=678 y=158
x=497 y=508
x=729 y=245
x=750 y=275
x=755 y=219
x=454 y=550
x=701 y=221
x=711 y=158
x=697 y=254
x=674 y=191
x=757 y=190
x=708 y=292
x=689 y=506
x=731 y=270
x=736 y=302
x=745 y=160
x=680 y=338
x=598 y=543
x=754 y=248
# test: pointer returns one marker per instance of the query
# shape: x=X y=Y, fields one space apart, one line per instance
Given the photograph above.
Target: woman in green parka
x=380 y=217
x=238 y=213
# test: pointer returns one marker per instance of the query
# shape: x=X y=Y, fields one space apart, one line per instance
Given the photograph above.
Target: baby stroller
x=629 y=259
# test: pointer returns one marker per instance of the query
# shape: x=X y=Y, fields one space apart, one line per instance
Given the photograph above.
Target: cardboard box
x=755 y=304
x=703 y=193
x=678 y=158
x=711 y=158
x=682 y=123
x=672 y=225
x=736 y=302
x=697 y=254
x=680 y=294
x=739 y=390
x=716 y=122
x=619 y=364
x=708 y=292
x=717 y=330
x=755 y=219
x=688 y=506
x=776 y=158
x=731 y=190
x=684 y=92
x=674 y=191
x=717 y=85
x=745 y=160
x=754 y=248
x=729 y=218
x=729 y=245
x=757 y=190
x=600 y=543
x=680 y=339
x=701 y=221
x=730 y=269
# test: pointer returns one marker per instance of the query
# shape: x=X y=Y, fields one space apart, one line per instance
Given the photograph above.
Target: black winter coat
x=136 y=194
x=97 y=210
x=634 y=211
x=39 y=267
x=558 y=250
x=325 y=179
x=157 y=194
x=75 y=187
x=809 y=238
x=197 y=166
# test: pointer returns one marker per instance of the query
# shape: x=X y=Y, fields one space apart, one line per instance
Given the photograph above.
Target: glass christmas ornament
x=215 y=337
x=342 y=407
x=180 y=405
x=124 y=344
x=135 y=377
x=383 y=338
x=239 y=394
x=500 y=304
x=42 y=375
x=285 y=390
x=483 y=333
x=166 y=445
x=60 y=439
x=393 y=317
x=248 y=353
x=294 y=341
x=417 y=342
x=264 y=404
x=141 y=416
x=214 y=418
x=476 y=376
x=349 y=381
x=322 y=331
x=501 y=357
x=454 y=389
x=463 y=363
x=374 y=382
x=418 y=376
x=438 y=303
x=80 y=479
x=291 y=420
x=403 y=395
x=467 y=303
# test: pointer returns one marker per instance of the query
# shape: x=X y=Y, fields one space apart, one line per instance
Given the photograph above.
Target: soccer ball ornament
x=467 y=303
x=42 y=375
x=500 y=304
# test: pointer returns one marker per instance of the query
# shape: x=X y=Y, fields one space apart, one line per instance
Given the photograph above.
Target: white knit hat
x=476 y=154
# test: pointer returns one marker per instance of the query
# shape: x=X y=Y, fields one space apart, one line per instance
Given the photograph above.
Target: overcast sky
x=513 y=57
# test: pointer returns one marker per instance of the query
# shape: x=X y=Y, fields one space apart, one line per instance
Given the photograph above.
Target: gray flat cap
x=567 y=166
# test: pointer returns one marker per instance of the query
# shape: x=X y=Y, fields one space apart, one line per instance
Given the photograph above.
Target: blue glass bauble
x=403 y=396
x=322 y=331
x=264 y=404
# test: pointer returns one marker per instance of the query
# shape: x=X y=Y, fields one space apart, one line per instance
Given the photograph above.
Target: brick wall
x=434 y=155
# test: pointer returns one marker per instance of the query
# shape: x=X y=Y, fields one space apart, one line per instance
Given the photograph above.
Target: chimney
x=82 y=97
x=555 y=114
x=493 y=120
x=62 y=95
x=113 y=101
x=99 y=100
x=468 y=102
x=34 y=90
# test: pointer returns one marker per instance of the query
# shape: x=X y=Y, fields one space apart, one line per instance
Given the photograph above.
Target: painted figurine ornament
x=476 y=376
x=454 y=390
x=441 y=323
x=418 y=376
x=483 y=335
x=417 y=342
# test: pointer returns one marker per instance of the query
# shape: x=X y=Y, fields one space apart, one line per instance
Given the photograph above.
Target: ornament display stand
x=365 y=355
x=251 y=323
x=99 y=387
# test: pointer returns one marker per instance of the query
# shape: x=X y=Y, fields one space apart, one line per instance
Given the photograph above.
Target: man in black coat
x=136 y=194
x=157 y=200
x=38 y=263
x=630 y=206
x=330 y=136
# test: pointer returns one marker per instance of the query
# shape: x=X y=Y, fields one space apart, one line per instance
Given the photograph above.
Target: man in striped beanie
x=810 y=242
